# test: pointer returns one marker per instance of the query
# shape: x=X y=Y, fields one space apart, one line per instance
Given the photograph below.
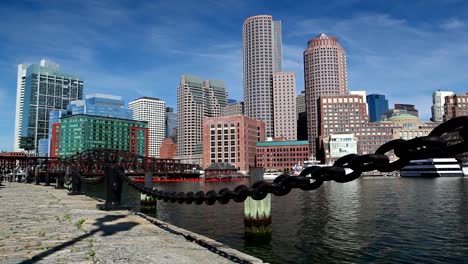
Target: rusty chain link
x=311 y=178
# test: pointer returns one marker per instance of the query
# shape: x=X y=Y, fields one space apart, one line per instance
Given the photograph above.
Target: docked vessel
x=439 y=167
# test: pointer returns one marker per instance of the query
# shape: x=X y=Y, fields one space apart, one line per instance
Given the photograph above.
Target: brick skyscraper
x=324 y=74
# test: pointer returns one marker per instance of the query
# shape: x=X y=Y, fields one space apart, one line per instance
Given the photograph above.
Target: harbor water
x=378 y=220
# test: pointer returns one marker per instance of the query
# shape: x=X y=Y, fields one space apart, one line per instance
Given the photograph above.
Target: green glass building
x=78 y=133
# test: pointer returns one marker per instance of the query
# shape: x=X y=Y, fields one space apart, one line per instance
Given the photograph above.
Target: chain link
x=311 y=178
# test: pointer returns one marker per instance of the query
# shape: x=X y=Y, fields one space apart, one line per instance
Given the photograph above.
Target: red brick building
x=168 y=149
x=282 y=155
x=347 y=114
x=231 y=139
x=455 y=105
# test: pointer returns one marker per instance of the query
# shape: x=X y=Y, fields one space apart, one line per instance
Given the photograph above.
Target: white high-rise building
x=20 y=83
x=261 y=46
x=196 y=99
x=153 y=111
x=284 y=105
x=438 y=101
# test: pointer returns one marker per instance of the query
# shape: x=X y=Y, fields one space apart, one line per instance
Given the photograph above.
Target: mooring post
x=148 y=203
x=257 y=214
x=36 y=175
x=75 y=182
x=60 y=181
x=113 y=188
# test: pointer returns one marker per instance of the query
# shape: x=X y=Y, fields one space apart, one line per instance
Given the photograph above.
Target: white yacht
x=439 y=167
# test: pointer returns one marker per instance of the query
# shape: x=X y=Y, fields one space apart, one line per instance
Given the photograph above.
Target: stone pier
x=40 y=224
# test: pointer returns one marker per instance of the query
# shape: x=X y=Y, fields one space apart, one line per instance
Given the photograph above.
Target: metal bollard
x=36 y=176
x=60 y=181
x=47 y=180
x=76 y=183
x=113 y=188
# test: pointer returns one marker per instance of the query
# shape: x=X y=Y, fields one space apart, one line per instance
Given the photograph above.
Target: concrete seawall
x=43 y=225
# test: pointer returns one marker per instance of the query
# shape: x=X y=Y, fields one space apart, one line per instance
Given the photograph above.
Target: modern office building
x=234 y=108
x=301 y=103
x=20 y=84
x=438 y=102
x=100 y=105
x=77 y=133
x=377 y=105
x=284 y=105
x=261 y=47
x=325 y=73
x=41 y=89
x=281 y=155
x=231 y=139
x=455 y=105
x=196 y=99
x=171 y=123
x=153 y=111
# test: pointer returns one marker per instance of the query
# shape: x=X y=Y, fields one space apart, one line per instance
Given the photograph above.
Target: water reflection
x=389 y=220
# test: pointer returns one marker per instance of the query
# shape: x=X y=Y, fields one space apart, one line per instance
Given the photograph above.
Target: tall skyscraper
x=261 y=46
x=20 y=83
x=438 y=101
x=153 y=111
x=195 y=100
x=171 y=123
x=300 y=103
x=41 y=89
x=378 y=106
x=325 y=73
x=284 y=105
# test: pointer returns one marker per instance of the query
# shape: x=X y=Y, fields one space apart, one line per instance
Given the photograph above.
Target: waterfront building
x=234 y=108
x=231 y=139
x=377 y=105
x=261 y=50
x=409 y=126
x=153 y=111
x=168 y=149
x=338 y=145
x=171 y=123
x=325 y=73
x=40 y=89
x=455 y=105
x=284 y=105
x=346 y=114
x=77 y=133
x=409 y=108
x=301 y=116
x=438 y=102
x=196 y=100
x=281 y=155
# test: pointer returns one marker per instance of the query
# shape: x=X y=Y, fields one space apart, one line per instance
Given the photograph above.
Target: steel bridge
x=93 y=162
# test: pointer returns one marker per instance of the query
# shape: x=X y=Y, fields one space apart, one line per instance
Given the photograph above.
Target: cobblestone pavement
x=40 y=224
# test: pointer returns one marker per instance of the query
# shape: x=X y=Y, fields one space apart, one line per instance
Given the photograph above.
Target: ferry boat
x=439 y=167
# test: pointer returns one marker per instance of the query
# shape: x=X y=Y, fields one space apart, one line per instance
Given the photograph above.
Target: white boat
x=271 y=175
x=439 y=167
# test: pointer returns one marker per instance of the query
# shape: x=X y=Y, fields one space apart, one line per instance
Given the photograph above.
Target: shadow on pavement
x=106 y=229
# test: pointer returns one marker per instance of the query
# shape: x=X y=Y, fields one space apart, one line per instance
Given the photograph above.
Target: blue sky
x=404 y=49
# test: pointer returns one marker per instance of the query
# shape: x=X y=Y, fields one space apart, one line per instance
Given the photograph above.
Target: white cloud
x=453 y=24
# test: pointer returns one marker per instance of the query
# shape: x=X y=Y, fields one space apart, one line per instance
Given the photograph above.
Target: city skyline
x=389 y=50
